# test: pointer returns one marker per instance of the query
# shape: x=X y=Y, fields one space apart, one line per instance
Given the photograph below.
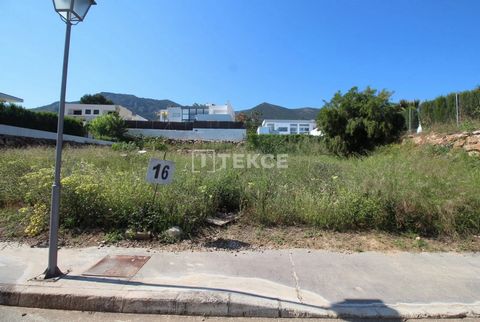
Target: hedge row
x=14 y=115
x=293 y=143
x=443 y=108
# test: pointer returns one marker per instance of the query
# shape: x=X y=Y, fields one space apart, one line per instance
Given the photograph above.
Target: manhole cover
x=117 y=266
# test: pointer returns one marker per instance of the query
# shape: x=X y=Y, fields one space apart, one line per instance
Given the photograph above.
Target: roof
x=10 y=98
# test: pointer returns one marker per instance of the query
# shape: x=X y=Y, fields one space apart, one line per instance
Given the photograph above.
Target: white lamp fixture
x=73 y=11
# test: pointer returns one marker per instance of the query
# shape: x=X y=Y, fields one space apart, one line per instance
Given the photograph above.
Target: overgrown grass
x=451 y=127
x=399 y=188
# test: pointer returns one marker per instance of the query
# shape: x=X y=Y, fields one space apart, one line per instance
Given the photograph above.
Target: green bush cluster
x=295 y=143
x=399 y=188
x=14 y=115
x=108 y=127
x=358 y=121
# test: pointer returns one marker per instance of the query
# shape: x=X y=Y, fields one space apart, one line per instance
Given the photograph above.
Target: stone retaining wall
x=469 y=141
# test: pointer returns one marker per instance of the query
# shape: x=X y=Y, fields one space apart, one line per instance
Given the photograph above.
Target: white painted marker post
x=160 y=171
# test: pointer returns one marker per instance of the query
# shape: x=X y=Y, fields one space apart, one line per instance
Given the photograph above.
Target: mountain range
x=271 y=111
x=147 y=107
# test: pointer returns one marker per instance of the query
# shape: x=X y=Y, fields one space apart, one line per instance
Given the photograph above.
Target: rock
x=221 y=219
x=418 y=140
x=137 y=235
x=174 y=233
x=459 y=143
x=474 y=153
x=474 y=139
x=470 y=142
x=472 y=147
x=142 y=235
x=453 y=138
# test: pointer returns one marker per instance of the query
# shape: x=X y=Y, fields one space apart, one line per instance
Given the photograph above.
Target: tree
x=95 y=99
x=409 y=110
x=110 y=126
x=357 y=121
x=241 y=117
x=252 y=121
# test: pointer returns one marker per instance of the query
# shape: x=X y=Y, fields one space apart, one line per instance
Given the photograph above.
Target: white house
x=316 y=132
x=270 y=126
x=88 y=112
x=207 y=112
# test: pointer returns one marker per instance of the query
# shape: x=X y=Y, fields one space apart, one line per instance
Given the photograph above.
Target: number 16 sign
x=160 y=171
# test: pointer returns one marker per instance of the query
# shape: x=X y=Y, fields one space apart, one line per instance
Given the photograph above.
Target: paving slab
x=277 y=283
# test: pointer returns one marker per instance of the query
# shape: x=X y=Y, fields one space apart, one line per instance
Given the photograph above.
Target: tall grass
x=399 y=188
x=469 y=125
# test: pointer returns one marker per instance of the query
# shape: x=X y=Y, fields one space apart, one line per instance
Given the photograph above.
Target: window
x=88 y=112
x=304 y=128
x=96 y=112
x=77 y=112
x=282 y=129
x=185 y=115
x=293 y=128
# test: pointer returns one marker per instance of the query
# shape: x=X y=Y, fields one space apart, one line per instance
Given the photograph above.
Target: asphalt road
x=13 y=314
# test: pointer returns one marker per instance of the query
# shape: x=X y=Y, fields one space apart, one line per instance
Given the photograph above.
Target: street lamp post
x=71 y=12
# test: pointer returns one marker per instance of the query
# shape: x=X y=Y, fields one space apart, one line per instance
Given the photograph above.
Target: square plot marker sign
x=160 y=171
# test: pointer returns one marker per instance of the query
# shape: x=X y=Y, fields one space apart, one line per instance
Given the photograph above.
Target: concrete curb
x=208 y=303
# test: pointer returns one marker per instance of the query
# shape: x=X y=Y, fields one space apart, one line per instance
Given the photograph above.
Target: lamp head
x=73 y=11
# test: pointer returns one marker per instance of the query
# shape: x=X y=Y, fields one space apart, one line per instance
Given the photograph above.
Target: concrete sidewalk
x=295 y=283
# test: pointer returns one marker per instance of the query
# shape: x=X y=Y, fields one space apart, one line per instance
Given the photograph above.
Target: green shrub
x=295 y=143
x=108 y=126
x=154 y=143
x=224 y=191
x=124 y=146
x=357 y=122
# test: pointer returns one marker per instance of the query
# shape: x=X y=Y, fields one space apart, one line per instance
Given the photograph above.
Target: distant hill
x=271 y=111
x=50 y=107
x=145 y=107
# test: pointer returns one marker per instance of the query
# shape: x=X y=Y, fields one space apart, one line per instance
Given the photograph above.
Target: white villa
x=88 y=112
x=207 y=112
x=270 y=126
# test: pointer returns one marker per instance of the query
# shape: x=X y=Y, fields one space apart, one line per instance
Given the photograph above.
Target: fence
x=184 y=126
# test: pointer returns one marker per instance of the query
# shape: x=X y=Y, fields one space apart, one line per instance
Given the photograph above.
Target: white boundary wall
x=37 y=134
x=230 y=135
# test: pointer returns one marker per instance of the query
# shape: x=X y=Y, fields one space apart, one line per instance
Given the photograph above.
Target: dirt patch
x=241 y=236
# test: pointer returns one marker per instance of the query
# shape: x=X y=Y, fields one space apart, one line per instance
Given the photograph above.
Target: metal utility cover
x=117 y=266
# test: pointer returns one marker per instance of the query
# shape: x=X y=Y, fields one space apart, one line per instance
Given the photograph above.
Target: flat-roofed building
x=88 y=112
x=197 y=112
x=270 y=126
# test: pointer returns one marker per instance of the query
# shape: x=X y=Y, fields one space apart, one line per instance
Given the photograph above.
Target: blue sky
x=293 y=53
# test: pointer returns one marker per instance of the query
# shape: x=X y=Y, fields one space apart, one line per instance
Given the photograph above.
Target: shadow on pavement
x=350 y=309
x=347 y=309
x=231 y=244
x=176 y=286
